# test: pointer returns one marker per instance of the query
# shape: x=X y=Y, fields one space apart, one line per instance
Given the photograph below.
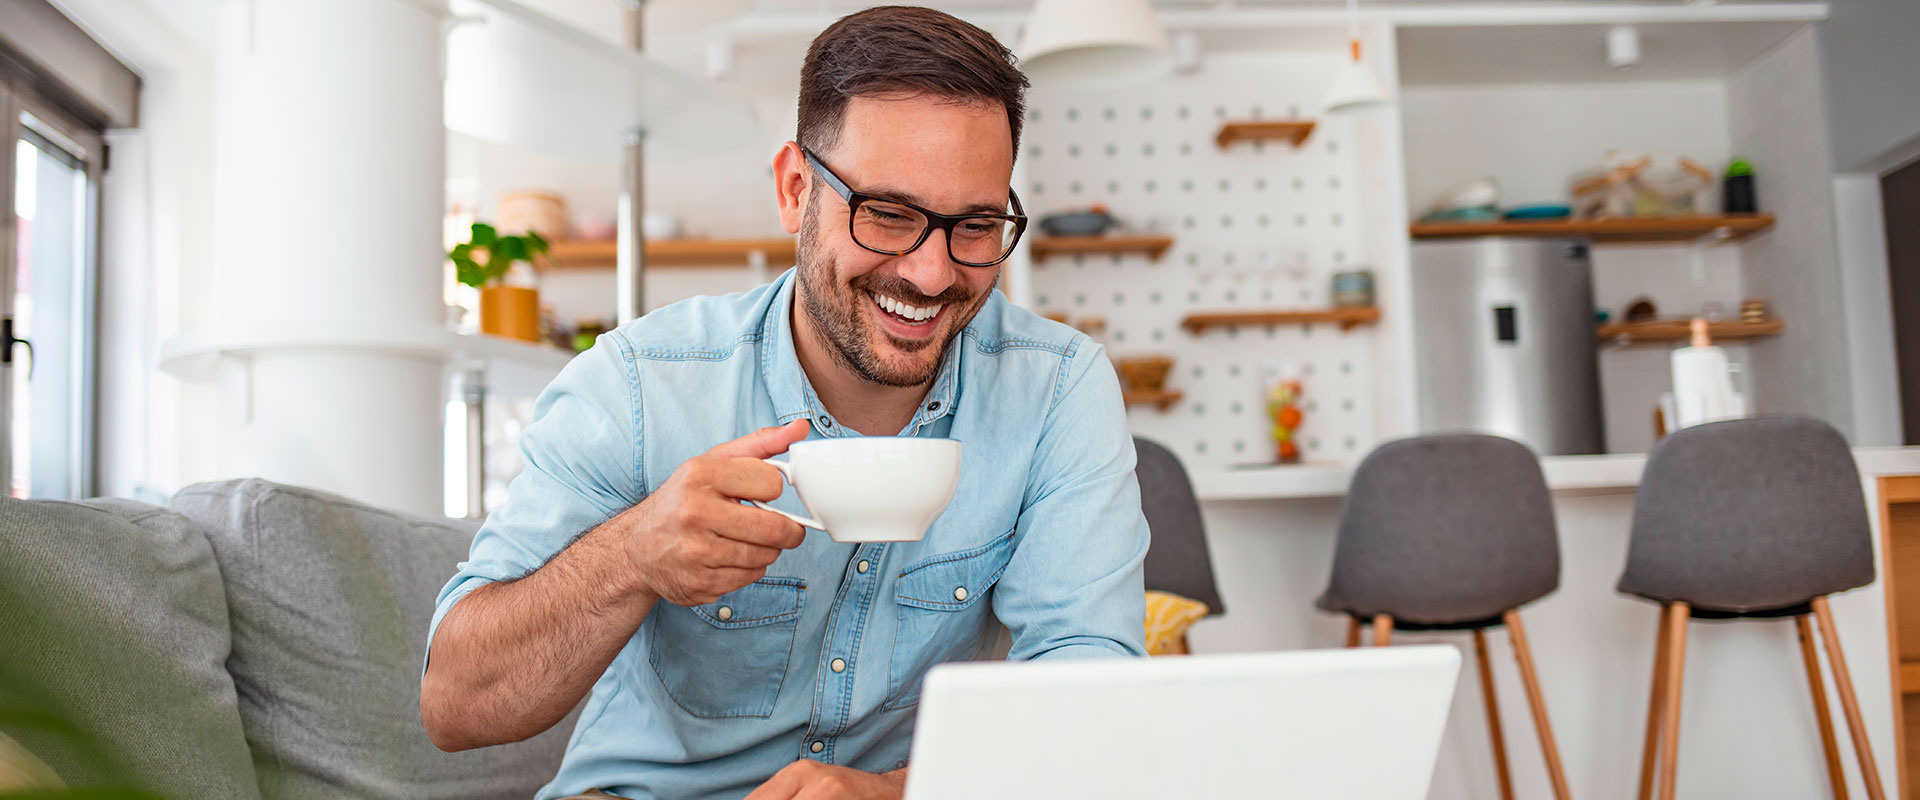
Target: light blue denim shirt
x=822 y=658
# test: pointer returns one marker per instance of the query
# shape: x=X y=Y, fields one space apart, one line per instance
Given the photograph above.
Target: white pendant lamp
x=1357 y=86
x=1105 y=41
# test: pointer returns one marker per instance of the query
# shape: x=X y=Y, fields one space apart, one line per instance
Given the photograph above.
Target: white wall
x=1776 y=122
x=1861 y=235
x=1866 y=48
x=156 y=268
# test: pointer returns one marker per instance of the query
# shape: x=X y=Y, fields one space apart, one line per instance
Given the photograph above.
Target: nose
x=929 y=267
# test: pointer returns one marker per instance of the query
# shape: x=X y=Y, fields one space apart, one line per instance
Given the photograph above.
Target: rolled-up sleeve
x=582 y=466
x=1074 y=587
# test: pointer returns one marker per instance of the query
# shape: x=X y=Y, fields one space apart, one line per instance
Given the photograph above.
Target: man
x=721 y=643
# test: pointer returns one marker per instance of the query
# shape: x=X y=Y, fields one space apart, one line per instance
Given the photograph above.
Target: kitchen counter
x=1271 y=533
x=1585 y=474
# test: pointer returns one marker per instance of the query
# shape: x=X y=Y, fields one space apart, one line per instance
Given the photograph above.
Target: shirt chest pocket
x=942 y=613
x=727 y=658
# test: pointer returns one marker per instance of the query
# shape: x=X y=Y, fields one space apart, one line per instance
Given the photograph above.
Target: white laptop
x=1361 y=723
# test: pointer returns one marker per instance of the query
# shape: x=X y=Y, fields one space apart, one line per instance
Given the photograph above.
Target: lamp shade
x=1356 y=85
x=1094 y=40
x=520 y=78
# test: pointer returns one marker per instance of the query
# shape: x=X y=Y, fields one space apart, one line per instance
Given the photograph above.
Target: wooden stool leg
x=1493 y=714
x=1657 y=695
x=1382 y=630
x=1820 y=711
x=1676 y=677
x=1353 y=631
x=1538 y=703
x=1843 y=682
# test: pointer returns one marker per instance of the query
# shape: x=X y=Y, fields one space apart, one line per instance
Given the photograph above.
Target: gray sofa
x=249 y=640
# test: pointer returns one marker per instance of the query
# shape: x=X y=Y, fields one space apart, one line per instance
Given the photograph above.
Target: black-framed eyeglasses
x=896 y=228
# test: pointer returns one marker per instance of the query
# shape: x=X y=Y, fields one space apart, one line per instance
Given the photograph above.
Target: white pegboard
x=1256 y=226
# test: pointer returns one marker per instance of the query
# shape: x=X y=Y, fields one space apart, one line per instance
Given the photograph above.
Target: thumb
x=764 y=442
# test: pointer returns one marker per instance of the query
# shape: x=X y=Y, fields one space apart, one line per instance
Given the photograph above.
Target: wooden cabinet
x=1900 y=574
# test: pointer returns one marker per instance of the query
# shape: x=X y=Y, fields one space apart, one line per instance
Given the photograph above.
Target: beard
x=849 y=332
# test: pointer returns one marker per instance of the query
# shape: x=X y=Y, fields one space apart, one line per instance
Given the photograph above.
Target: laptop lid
x=1324 y=723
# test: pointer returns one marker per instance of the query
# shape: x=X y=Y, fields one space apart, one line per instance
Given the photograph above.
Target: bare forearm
x=511 y=659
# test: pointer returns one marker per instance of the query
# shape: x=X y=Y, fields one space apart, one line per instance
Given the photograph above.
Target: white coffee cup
x=871 y=488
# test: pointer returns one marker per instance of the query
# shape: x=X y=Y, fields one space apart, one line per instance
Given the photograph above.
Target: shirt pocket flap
x=764 y=602
x=954 y=581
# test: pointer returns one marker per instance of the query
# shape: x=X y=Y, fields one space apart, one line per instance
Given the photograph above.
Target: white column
x=328 y=193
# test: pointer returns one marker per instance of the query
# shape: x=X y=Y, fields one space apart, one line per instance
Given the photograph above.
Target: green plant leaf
x=484 y=235
x=535 y=243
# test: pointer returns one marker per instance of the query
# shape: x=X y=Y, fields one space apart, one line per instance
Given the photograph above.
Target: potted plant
x=510 y=311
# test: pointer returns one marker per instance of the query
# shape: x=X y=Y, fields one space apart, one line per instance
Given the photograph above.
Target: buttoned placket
x=839 y=654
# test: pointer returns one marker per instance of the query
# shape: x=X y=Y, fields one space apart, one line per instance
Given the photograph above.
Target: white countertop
x=1584 y=474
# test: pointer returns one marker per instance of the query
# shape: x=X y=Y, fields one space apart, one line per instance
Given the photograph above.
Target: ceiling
x=1531 y=54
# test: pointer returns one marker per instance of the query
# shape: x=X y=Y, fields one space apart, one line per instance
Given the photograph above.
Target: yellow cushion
x=1168 y=617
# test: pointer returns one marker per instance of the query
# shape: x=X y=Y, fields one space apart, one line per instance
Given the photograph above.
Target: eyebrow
x=889 y=193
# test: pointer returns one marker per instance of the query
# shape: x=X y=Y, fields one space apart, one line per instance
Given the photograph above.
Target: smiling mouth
x=905 y=314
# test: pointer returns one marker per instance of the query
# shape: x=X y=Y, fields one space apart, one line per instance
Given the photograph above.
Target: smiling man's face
x=889 y=319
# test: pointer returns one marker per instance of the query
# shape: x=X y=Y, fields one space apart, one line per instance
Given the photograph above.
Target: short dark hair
x=903 y=50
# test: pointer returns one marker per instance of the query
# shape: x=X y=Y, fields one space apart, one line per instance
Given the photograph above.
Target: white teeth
x=914 y=313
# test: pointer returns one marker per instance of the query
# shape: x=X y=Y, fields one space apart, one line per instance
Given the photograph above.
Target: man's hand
x=692 y=541
x=812 y=780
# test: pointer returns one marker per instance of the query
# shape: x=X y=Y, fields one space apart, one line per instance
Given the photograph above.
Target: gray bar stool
x=1753 y=518
x=1177 y=560
x=1451 y=532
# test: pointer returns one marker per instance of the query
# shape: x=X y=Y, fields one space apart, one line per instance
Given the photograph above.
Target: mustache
x=900 y=289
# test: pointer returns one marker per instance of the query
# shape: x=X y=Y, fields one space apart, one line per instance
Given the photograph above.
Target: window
x=59 y=89
x=47 y=297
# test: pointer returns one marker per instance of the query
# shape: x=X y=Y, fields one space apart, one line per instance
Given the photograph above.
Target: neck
x=872 y=409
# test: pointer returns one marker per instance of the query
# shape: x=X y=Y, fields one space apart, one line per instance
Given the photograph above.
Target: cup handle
x=786 y=471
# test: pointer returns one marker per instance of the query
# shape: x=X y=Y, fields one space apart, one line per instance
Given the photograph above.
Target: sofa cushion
x=113 y=670
x=330 y=601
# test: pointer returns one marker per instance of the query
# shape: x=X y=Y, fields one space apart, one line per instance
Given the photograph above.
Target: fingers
x=738 y=478
x=764 y=442
x=722 y=552
x=757 y=526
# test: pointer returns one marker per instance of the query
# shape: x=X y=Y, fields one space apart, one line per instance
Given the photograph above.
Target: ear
x=792 y=182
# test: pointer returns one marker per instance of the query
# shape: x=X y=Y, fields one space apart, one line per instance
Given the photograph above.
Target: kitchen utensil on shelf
x=1353 y=289
x=1093 y=222
x=1475 y=199
x=1539 y=211
x=544 y=213
x=1146 y=374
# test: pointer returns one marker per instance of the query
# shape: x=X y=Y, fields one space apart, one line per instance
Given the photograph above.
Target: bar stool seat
x=1749 y=519
x=1452 y=532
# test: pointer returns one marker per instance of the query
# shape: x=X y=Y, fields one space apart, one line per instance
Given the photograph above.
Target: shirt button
x=839 y=665
x=933 y=406
x=862 y=566
x=818 y=746
x=725 y=614
x=959 y=593
x=825 y=422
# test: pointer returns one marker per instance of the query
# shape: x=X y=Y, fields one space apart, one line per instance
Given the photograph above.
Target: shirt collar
x=791 y=392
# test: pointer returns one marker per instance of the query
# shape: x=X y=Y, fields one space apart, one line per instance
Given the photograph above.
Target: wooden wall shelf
x=1727 y=227
x=1161 y=400
x=1680 y=330
x=1294 y=131
x=1346 y=318
x=676 y=253
x=1153 y=247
